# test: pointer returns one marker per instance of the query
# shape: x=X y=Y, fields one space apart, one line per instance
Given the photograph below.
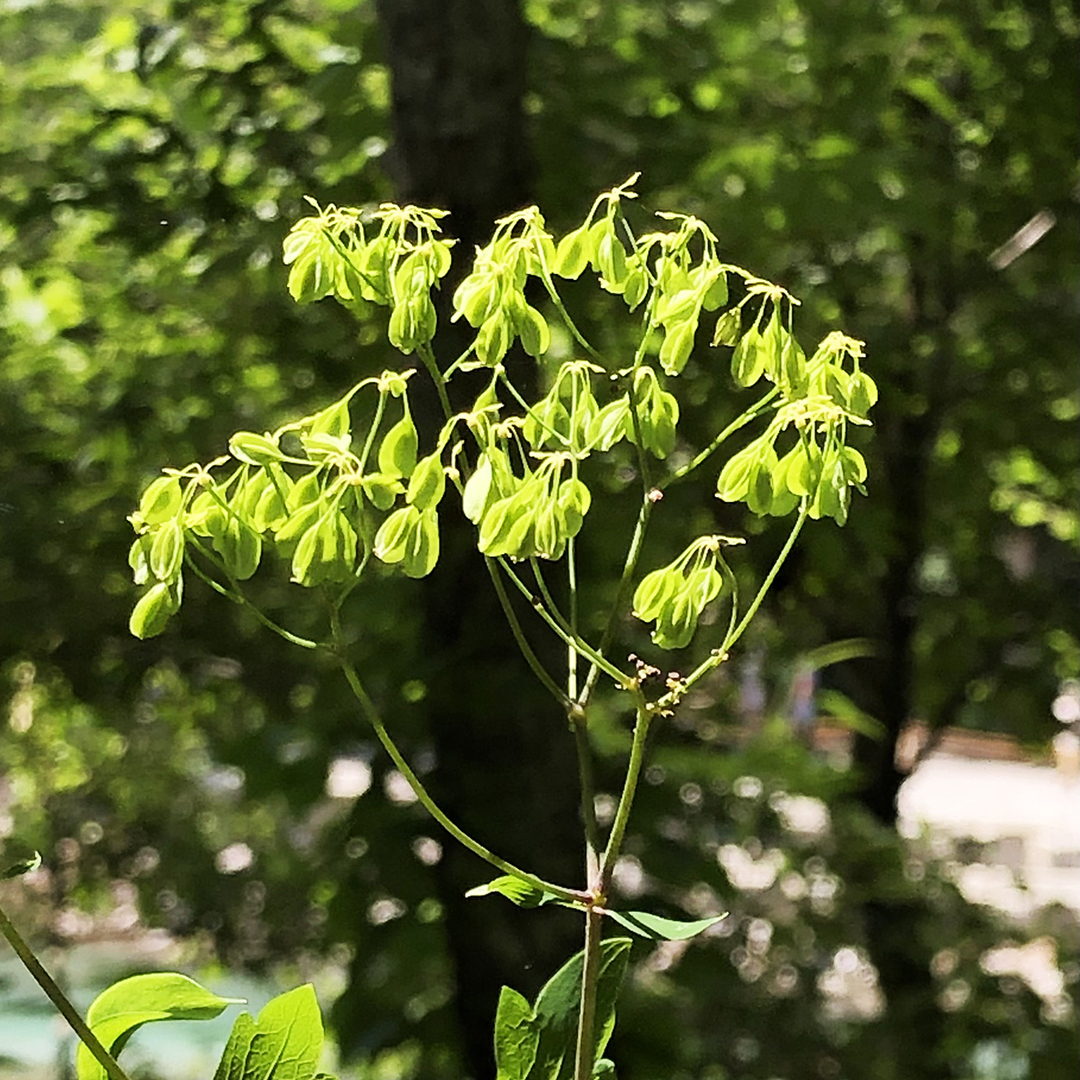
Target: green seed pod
x=422 y=546
x=427 y=484
x=611 y=261
x=153 y=611
x=677 y=346
x=493 y=341
x=574 y=502
x=532 y=328
x=381 y=490
x=727 y=328
x=572 y=255
x=167 y=551
x=160 y=501
x=748 y=359
x=270 y=510
x=139 y=558
x=654 y=592
x=609 y=425
x=240 y=548
x=397 y=453
x=392 y=539
x=862 y=393
x=334 y=420
x=478 y=487
x=254 y=449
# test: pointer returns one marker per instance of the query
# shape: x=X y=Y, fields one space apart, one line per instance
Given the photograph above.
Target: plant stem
x=718 y=656
x=590 y=973
x=590 y=980
x=59 y=999
x=739 y=422
x=237 y=597
x=574 y=896
x=563 y=632
x=437 y=377
x=588 y=797
x=632 y=555
x=626 y=800
x=531 y=658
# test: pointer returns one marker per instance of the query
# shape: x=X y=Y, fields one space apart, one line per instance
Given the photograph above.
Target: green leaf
x=516 y=1036
x=234 y=1059
x=556 y=1010
x=515 y=890
x=18 y=859
x=658 y=929
x=125 y=1006
x=288 y=1038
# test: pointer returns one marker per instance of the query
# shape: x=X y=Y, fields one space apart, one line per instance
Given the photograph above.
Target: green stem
x=629 y=566
x=560 y=307
x=529 y=410
x=588 y=796
x=751 y=611
x=560 y=629
x=531 y=658
x=59 y=999
x=237 y=597
x=571 y=655
x=739 y=422
x=718 y=656
x=626 y=800
x=369 y=441
x=574 y=896
x=590 y=982
x=426 y=354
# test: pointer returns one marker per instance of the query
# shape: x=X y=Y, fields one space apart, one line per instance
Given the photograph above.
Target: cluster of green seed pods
x=329 y=255
x=311 y=494
x=304 y=492
x=819 y=467
x=674 y=596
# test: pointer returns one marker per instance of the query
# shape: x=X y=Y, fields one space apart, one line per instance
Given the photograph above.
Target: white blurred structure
x=1010 y=825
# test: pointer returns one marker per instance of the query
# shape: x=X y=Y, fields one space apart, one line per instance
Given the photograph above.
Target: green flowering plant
x=325 y=498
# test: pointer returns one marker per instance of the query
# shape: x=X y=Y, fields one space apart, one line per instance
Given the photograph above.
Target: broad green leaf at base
x=125 y=1006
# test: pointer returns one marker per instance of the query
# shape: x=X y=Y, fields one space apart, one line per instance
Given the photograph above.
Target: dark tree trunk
x=505 y=767
x=457 y=72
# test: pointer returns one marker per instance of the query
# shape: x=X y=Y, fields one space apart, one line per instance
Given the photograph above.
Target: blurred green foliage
x=873 y=158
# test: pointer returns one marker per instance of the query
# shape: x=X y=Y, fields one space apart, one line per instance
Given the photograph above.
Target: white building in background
x=1010 y=824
